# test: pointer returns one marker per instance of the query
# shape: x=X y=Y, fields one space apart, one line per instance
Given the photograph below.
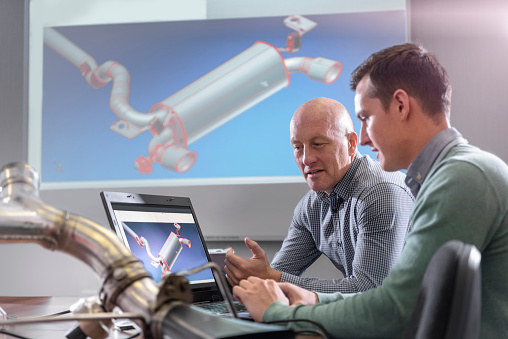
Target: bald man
x=355 y=213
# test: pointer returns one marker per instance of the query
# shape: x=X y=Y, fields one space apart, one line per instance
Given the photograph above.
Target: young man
x=355 y=213
x=403 y=101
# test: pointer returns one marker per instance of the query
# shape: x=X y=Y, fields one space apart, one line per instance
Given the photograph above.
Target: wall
x=470 y=38
x=13 y=80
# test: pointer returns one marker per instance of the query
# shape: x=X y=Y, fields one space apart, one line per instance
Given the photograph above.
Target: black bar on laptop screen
x=149 y=208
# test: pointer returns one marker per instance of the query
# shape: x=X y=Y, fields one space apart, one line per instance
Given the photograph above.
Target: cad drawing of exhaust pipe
x=169 y=251
x=202 y=106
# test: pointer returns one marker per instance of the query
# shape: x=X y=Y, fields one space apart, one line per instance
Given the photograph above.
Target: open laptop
x=163 y=232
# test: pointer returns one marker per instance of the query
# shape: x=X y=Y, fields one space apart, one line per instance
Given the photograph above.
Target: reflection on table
x=20 y=307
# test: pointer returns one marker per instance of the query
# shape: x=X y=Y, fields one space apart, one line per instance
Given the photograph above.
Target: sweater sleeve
x=456 y=202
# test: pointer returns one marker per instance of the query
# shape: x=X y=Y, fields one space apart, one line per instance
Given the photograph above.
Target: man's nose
x=364 y=136
x=309 y=156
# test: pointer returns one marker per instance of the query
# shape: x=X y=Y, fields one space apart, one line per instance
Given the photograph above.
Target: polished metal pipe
x=24 y=218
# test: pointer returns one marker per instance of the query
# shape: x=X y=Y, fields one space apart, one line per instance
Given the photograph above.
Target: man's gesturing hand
x=238 y=268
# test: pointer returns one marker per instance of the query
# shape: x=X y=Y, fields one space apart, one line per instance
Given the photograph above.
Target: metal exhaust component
x=24 y=218
x=160 y=311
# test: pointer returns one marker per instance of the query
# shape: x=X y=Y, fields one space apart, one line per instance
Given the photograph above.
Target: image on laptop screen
x=163 y=233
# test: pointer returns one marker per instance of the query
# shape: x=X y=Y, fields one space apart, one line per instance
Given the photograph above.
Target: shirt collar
x=341 y=188
x=421 y=166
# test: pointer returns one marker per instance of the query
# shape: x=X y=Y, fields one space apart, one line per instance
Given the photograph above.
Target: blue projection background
x=163 y=58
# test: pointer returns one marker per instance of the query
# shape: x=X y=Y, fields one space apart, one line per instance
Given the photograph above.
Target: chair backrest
x=449 y=302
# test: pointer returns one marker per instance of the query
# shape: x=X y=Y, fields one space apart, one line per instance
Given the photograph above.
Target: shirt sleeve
x=298 y=249
x=383 y=220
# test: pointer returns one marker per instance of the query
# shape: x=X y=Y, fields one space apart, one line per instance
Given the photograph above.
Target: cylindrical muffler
x=228 y=90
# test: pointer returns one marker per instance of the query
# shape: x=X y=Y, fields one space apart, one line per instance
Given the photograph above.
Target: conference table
x=18 y=308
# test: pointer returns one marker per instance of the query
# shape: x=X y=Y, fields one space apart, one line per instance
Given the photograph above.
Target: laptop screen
x=163 y=233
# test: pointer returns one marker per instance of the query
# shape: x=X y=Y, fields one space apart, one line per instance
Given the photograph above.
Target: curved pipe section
x=100 y=76
x=24 y=218
x=119 y=99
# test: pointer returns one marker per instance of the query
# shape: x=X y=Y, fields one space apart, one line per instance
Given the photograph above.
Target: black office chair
x=449 y=302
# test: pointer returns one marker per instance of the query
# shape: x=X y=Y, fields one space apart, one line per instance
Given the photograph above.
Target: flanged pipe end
x=19 y=173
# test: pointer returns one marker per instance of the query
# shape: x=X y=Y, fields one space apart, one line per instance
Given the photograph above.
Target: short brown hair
x=409 y=67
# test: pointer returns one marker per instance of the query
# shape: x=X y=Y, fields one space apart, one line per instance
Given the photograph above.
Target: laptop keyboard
x=222 y=308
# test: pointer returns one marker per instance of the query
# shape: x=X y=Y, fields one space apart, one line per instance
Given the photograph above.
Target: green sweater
x=464 y=197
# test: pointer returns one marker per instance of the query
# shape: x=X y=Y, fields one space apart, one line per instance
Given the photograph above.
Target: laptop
x=163 y=232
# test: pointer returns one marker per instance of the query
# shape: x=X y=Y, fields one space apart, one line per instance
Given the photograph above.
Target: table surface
x=19 y=307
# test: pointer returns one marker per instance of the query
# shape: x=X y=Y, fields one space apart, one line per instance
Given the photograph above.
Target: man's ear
x=352 y=143
x=402 y=103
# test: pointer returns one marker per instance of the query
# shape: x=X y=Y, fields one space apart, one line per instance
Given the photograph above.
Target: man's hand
x=257 y=294
x=238 y=268
x=298 y=295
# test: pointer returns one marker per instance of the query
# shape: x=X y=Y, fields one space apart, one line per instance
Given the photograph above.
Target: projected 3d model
x=209 y=102
x=169 y=251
